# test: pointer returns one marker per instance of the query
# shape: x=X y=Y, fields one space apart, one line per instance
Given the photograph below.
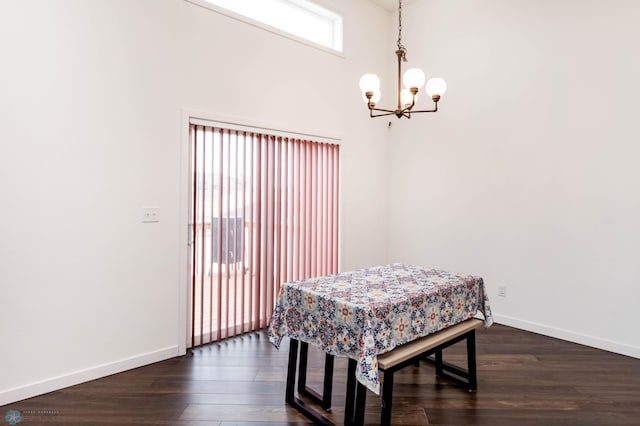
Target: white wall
x=91 y=94
x=529 y=174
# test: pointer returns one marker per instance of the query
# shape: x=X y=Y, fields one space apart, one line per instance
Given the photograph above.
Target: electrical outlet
x=502 y=290
x=150 y=214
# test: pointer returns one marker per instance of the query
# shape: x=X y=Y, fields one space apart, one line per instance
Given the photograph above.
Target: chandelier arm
x=380 y=115
x=426 y=110
x=381 y=109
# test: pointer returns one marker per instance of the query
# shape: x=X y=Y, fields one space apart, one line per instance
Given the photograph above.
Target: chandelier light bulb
x=369 y=83
x=436 y=87
x=375 y=98
x=413 y=77
x=406 y=98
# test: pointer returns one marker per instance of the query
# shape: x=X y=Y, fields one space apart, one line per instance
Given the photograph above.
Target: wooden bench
x=388 y=363
x=417 y=350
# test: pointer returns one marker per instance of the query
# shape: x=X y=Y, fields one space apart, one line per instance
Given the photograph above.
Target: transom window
x=300 y=18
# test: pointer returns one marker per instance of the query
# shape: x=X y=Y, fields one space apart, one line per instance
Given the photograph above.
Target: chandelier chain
x=401 y=47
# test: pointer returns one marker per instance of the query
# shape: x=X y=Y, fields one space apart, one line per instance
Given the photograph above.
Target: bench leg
x=454 y=373
x=387 y=398
x=438 y=356
x=471 y=361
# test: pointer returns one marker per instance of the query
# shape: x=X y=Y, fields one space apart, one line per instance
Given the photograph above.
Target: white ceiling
x=390 y=5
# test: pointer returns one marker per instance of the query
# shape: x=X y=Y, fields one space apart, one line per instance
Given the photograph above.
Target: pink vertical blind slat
x=218 y=239
x=264 y=212
x=257 y=266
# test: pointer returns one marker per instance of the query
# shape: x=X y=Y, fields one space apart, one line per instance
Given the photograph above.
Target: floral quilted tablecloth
x=365 y=313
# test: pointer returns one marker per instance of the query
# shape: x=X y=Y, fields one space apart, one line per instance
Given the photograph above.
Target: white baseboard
x=571 y=336
x=34 y=389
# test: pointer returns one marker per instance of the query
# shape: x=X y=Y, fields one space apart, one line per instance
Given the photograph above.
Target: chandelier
x=413 y=79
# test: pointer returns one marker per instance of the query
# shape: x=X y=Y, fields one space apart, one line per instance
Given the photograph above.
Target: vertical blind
x=264 y=210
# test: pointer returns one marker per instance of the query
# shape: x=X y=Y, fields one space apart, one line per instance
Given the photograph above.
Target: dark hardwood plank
x=523 y=379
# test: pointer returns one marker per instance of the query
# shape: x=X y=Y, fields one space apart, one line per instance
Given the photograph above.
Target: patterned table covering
x=365 y=313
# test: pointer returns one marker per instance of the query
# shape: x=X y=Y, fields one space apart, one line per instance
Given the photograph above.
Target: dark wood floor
x=523 y=379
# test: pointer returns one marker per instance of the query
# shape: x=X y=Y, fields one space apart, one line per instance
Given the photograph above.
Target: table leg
x=387 y=398
x=325 y=399
x=302 y=369
x=349 y=402
x=290 y=391
x=361 y=399
x=291 y=371
x=328 y=382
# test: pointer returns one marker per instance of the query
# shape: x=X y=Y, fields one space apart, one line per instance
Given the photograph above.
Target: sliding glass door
x=263 y=211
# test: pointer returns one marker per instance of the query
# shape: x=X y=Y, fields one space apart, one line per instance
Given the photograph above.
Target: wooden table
x=365 y=313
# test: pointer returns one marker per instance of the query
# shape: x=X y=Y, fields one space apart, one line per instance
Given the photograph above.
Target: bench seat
x=418 y=347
